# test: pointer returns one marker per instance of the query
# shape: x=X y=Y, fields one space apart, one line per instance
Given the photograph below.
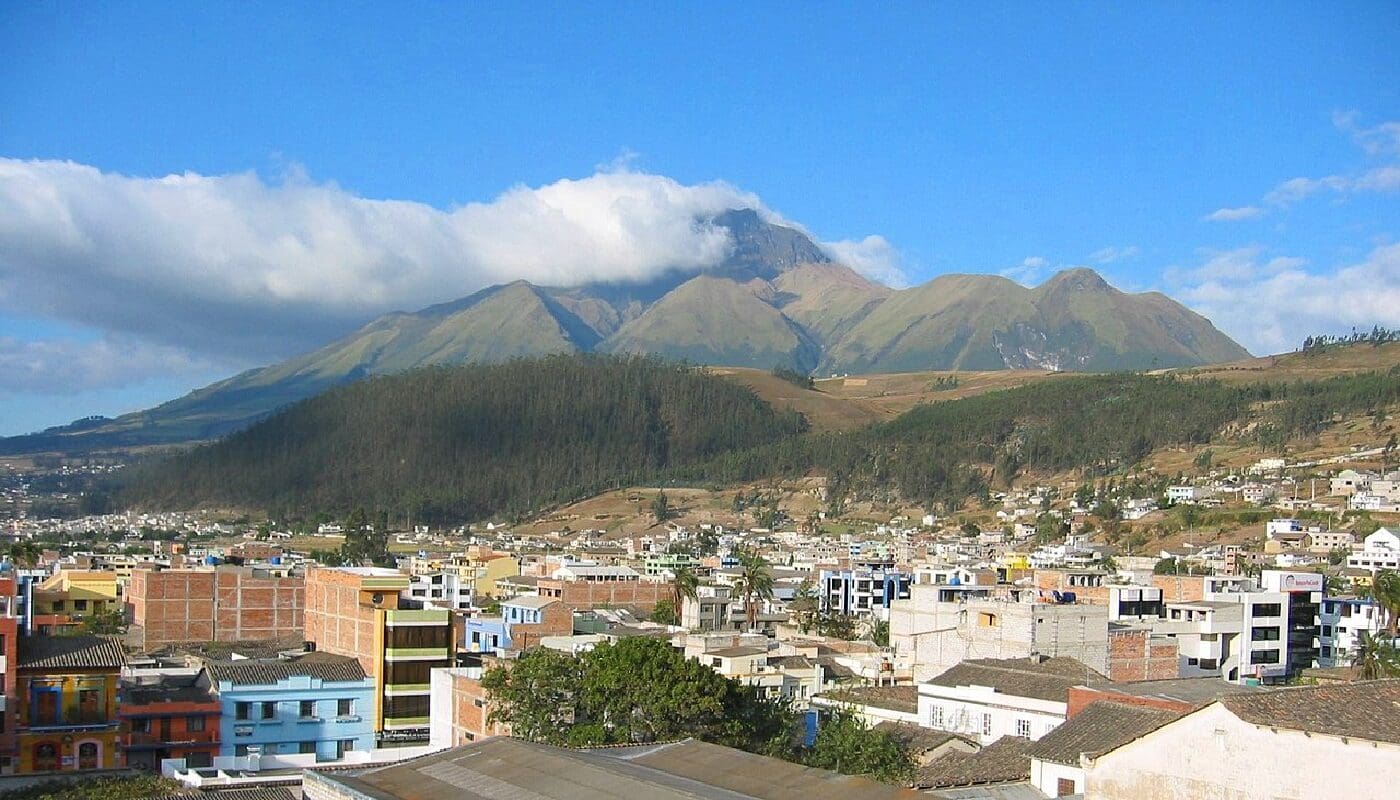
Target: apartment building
x=1342 y=622
x=863 y=592
x=361 y=612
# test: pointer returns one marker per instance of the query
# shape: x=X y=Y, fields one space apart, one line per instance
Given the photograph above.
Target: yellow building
x=1015 y=560
x=67 y=597
x=484 y=574
x=66 y=689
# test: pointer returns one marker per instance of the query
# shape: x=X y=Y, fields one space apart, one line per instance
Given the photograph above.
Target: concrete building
x=1311 y=741
x=223 y=604
x=359 y=612
x=1379 y=550
x=64 y=599
x=710 y=610
x=986 y=699
x=583 y=587
x=443 y=589
x=862 y=592
x=1343 y=620
x=942 y=625
x=461 y=708
x=313 y=704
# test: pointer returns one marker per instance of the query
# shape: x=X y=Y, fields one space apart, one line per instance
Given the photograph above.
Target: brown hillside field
x=857 y=400
x=1328 y=363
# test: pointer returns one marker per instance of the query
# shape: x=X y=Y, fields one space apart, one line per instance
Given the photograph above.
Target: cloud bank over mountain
x=238 y=266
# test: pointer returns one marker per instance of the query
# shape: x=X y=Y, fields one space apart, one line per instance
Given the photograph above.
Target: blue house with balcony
x=523 y=622
x=863 y=592
x=318 y=703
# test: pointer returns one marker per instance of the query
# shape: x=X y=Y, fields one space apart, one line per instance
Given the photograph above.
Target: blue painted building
x=530 y=615
x=863 y=592
x=318 y=703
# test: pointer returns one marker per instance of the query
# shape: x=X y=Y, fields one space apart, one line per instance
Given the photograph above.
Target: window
x=1064 y=786
x=194 y=724
x=1263 y=657
x=306 y=748
x=986 y=724
x=401 y=672
x=419 y=636
x=1268 y=610
x=1264 y=634
x=242 y=710
x=986 y=619
x=80 y=605
x=240 y=750
x=1023 y=728
x=90 y=706
x=409 y=706
x=308 y=709
x=269 y=711
x=344 y=746
x=141 y=725
x=198 y=759
x=935 y=718
x=1327 y=630
x=344 y=707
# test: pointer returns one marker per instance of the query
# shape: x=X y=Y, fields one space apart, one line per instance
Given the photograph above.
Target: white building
x=444 y=589
x=987 y=699
x=1349 y=481
x=1188 y=494
x=1379 y=550
x=1057 y=760
x=1309 y=741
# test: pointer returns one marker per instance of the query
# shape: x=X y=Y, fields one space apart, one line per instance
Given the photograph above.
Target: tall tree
x=685 y=585
x=755 y=583
x=847 y=745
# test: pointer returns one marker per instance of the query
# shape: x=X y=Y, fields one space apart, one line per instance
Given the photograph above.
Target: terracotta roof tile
x=1050 y=679
x=1099 y=728
x=1003 y=761
x=70 y=652
x=1367 y=710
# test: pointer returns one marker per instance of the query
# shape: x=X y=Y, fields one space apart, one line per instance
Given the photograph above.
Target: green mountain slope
x=462 y=442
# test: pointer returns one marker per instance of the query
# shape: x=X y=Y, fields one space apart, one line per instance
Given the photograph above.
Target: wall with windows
x=298 y=715
x=67 y=721
x=984 y=714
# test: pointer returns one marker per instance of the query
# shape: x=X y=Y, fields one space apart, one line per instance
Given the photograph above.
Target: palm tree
x=1385 y=589
x=755 y=582
x=1376 y=658
x=805 y=607
x=684 y=586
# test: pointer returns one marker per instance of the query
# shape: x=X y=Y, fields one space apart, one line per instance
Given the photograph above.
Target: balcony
x=150 y=741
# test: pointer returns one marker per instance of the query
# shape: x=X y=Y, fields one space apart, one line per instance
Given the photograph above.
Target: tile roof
x=892 y=698
x=266 y=673
x=1187 y=691
x=1367 y=710
x=70 y=652
x=919 y=739
x=1100 y=727
x=1004 y=761
x=1021 y=677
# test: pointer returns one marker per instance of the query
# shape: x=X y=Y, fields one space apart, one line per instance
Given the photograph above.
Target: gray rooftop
x=1048 y=679
x=690 y=770
x=1195 y=691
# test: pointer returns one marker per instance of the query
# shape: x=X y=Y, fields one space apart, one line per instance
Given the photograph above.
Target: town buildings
x=863 y=592
x=986 y=699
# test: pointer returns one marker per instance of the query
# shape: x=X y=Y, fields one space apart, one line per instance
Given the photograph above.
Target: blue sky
x=1244 y=159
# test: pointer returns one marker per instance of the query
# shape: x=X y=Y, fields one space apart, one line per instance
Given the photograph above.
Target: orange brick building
x=226 y=604
x=168 y=716
x=583 y=588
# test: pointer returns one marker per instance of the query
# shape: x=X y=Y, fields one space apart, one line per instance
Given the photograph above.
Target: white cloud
x=873 y=257
x=1234 y=214
x=1271 y=305
x=1029 y=272
x=1383 y=139
x=1108 y=255
x=235 y=265
x=65 y=367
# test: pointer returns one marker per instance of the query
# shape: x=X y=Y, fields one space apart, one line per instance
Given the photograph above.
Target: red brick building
x=226 y=604
x=585 y=587
x=169 y=716
x=9 y=658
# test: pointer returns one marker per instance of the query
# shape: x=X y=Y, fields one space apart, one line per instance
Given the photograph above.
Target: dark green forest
x=461 y=443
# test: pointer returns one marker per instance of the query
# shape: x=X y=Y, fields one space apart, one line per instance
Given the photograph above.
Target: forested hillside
x=462 y=443
x=453 y=443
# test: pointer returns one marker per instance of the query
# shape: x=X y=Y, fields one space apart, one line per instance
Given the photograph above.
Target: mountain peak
x=1078 y=279
x=763 y=249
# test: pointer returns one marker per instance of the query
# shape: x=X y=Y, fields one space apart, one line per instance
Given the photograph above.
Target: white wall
x=1212 y=753
x=1046 y=776
x=964 y=707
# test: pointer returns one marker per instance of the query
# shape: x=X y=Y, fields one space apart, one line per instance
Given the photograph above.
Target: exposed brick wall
x=470 y=712
x=587 y=595
x=334 y=618
x=1055 y=580
x=226 y=605
x=1180 y=588
x=558 y=620
x=1135 y=655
